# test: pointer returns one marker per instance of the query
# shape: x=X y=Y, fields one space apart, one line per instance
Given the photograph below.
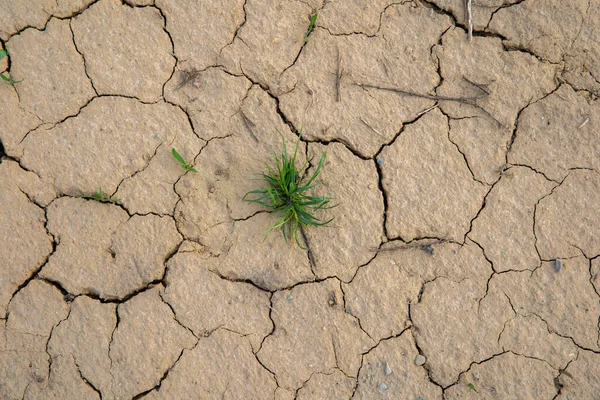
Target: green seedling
x=472 y=387
x=311 y=27
x=99 y=196
x=286 y=195
x=184 y=165
x=4 y=53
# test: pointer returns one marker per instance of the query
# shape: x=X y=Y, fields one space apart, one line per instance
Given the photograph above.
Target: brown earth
x=463 y=262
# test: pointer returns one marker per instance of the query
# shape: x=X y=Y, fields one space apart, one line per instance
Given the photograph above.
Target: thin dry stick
x=480 y=86
x=311 y=256
x=249 y=125
x=469 y=19
x=373 y=129
x=423 y=96
x=338 y=77
x=427 y=110
x=464 y=100
x=409 y=246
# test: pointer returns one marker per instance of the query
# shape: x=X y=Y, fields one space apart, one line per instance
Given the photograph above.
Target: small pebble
x=386 y=369
x=350 y=309
x=421 y=398
x=420 y=360
x=290 y=297
x=356 y=299
x=383 y=386
x=379 y=160
x=476 y=377
x=238 y=298
x=557 y=265
x=196 y=84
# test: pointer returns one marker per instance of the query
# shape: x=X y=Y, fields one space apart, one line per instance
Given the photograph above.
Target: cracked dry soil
x=463 y=262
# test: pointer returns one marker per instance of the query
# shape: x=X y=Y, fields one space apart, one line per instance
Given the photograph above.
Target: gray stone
x=420 y=360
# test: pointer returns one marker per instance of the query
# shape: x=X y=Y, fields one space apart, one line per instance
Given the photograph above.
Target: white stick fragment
x=426 y=111
x=374 y=130
x=584 y=123
x=469 y=19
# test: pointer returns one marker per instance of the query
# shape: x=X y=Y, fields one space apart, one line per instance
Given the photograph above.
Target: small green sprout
x=286 y=195
x=472 y=387
x=9 y=79
x=99 y=196
x=311 y=27
x=184 y=165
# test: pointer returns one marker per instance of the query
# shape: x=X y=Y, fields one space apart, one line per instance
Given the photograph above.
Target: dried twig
x=374 y=130
x=469 y=19
x=481 y=86
x=464 y=100
x=410 y=245
x=428 y=109
x=423 y=96
x=584 y=123
x=486 y=112
x=249 y=125
x=338 y=76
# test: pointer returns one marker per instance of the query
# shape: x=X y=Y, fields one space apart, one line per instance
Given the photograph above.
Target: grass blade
x=177 y=156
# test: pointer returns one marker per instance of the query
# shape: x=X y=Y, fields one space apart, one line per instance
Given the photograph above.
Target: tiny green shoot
x=4 y=53
x=472 y=387
x=311 y=26
x=99 y=196
x=286 y=195
x=184 y=165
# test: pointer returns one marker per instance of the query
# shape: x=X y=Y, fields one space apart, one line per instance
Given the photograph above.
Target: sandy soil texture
x=464 y=258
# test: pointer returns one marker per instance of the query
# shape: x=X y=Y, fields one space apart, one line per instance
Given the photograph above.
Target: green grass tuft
x=286 y=195
x=99 y=196
x=184 y=165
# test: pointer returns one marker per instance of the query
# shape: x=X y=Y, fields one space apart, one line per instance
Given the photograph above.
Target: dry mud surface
x=463 y=262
